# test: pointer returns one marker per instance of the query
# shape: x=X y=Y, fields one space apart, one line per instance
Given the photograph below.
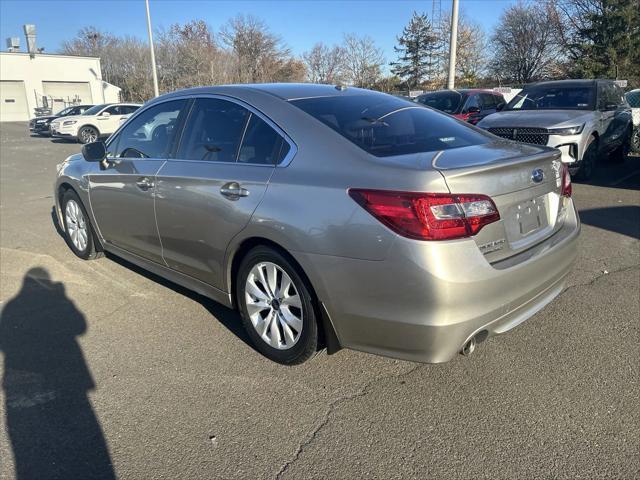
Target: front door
x=207 y=194
x=122 y=194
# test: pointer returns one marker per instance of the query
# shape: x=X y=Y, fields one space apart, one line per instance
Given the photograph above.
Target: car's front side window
x=150 y=134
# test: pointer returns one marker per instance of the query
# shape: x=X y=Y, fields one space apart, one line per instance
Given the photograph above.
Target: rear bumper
x=427 y=299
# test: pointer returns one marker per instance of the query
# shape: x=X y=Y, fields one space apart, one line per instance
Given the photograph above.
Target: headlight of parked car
x=566 y=130
x=69 y=122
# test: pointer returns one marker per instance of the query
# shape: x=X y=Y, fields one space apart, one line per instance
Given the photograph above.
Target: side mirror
x=500 y=106
x=94 y=152
x=610 y=106
x=473 y=110
x=105 y=114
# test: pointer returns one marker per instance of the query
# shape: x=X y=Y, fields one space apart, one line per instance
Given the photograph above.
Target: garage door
x=13 y=101
x=65 y=93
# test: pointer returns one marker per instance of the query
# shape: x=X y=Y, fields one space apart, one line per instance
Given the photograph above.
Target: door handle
x=233 y=191
x=144 y=184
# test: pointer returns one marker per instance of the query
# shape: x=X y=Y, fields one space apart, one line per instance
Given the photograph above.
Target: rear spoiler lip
x=551 y=154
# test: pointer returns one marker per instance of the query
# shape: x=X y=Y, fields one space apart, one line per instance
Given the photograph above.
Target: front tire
x=88 y=135
x=277 y=307
x=77 y=228
x=635 y=140
x=588 y=163
x=619 y=155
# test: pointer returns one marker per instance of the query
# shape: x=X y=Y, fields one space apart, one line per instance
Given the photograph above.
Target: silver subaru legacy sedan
x=329 y=217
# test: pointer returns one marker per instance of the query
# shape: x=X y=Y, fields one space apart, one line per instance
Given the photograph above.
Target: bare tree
x=324 y=64
x=363 y=61
x=471 y=58
x=260 y=54
x=525 y=43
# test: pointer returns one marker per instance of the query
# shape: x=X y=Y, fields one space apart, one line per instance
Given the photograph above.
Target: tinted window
x=261 y=144
x=214 y=131
x=548 y=97
x=633 y=98
x=95 y=109
x=66 y=112
x=473 y=101
x=384 y=126
x=449 y=102
x=114 y=110
x=127 y=109
x=488 y=102
x=150 y=134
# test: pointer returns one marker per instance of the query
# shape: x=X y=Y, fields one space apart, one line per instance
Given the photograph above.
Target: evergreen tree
x=418 y=51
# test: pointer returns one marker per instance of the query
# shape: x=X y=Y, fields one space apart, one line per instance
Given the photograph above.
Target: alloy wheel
x=76 y=225
x=274 y=305
x=88 y=135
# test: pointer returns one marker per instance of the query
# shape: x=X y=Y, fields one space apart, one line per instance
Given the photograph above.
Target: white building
x=31 y=81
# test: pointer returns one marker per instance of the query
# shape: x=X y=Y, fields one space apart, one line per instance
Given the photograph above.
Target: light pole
x=153 y=55
x=453 y=44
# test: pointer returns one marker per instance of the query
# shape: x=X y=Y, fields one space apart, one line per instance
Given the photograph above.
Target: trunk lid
x=524 y=181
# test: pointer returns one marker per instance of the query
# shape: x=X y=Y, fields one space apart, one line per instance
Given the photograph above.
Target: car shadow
x=61 y=140
x=52 y=428
x=615 y=175
x=623 y=219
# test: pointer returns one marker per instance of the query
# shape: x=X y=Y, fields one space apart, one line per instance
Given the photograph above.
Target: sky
x=300 y=23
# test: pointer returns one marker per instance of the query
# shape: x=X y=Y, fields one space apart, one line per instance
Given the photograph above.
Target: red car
x=470 y=105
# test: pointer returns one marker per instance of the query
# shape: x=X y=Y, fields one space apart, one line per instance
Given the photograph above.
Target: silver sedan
x=329 y=217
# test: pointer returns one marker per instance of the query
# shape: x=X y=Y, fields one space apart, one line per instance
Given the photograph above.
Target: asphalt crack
x=324 y=420
x=599 y=276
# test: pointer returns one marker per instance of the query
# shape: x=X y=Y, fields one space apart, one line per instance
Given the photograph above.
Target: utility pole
x=453 y=44
x=153 y=55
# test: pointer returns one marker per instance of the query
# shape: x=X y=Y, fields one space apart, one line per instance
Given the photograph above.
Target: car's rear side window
x=386 y=126
x=261 y=144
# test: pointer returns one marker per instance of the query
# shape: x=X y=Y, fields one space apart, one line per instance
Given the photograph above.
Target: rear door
x=122 y=194
x=208 y=192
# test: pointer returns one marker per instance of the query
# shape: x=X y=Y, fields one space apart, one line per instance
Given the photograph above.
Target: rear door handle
x=144 y=183
x=233 y=191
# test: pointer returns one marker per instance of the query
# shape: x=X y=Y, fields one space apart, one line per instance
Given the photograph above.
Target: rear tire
x=279 y=317
x=589 y=160
x=77 y=227
x=88 y=135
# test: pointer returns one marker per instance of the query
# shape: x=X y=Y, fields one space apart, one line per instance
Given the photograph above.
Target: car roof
x=464 y=90
x=284 y=91
x=569 y=83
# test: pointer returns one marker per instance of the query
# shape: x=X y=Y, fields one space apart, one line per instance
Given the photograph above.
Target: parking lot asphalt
x=111 y=372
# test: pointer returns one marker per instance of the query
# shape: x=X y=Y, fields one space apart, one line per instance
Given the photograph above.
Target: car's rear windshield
x=95 y=109
x=449 y=102
x=547 y=97
x=384 y=125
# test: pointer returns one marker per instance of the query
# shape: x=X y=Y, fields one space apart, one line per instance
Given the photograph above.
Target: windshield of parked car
x=547 y=97
x=633 y=98
x=449 y=102
x=64 y=111
x=384 y=125
x=95 y=109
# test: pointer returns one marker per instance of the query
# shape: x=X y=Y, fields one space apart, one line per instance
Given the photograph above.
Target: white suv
x=98 y=121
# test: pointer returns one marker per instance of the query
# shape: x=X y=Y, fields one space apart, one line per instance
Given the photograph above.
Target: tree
x=324 y=64
x=471 y=53
x=601 y=38
x=525 y=43
x=418 y=51
x=260 y=54
x=362 y=61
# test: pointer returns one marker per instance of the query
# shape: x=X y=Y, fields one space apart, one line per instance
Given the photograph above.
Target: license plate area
x=530 y=216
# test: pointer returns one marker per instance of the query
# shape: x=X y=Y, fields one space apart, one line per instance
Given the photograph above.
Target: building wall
x=51 y=68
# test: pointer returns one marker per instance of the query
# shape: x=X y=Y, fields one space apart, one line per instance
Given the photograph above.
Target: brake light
x=566 y=181
x=428 y=216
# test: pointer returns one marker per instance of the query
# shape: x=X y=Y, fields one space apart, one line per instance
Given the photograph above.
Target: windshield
x=449 y=102
x=95 y=109
x=64 y=111
x=383 y=125
x=543 y=97
x=633 y=98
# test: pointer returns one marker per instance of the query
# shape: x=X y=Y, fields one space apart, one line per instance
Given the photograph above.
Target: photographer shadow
x=53 y=430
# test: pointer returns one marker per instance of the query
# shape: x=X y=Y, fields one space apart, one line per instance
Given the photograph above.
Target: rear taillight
x=428 y=216
x=566 y=181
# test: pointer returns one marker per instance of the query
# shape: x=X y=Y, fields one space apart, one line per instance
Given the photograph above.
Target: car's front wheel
x=277 y=307
x=77 y=228
x=619 y=155
x=589 y=159
x=88 y=135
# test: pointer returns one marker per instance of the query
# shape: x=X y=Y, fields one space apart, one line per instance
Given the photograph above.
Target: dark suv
x=470 y=105
x=40 y=125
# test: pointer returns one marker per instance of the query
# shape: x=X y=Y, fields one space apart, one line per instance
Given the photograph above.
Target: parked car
x=585 y=119
x=96 y=122
x=40 y=125
x=470 y=105
x=337 y=217
x=633 y=99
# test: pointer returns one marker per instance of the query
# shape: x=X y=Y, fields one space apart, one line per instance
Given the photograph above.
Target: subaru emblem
x=537 y=175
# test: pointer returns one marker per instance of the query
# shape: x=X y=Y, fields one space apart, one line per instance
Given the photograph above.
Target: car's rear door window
x=261 y=144
x=383 y=125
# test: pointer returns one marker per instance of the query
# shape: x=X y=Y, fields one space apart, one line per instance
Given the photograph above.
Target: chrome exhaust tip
x=469 y=347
